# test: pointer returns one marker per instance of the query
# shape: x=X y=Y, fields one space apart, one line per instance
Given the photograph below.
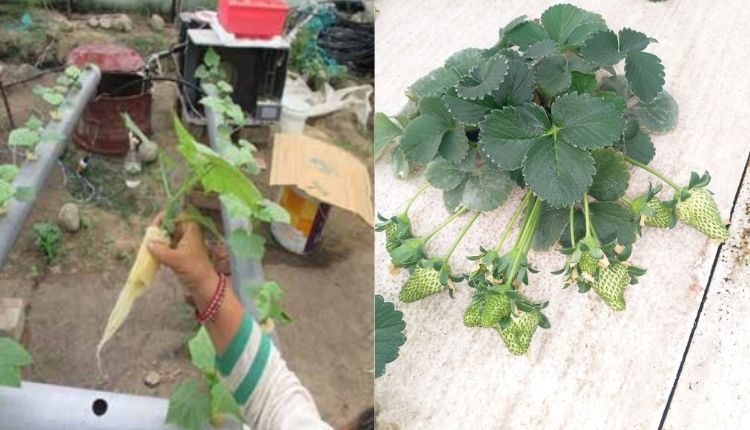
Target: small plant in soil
x=48 y=240
x=549 y=111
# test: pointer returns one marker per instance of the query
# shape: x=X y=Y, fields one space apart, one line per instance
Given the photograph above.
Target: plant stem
x=461 y=235
x=447 y=221
x=164 y=180
x=408 y=205
x=513 y=220
x=586 y=214
x=524 y=240
x=571 y=225
x=654 y=172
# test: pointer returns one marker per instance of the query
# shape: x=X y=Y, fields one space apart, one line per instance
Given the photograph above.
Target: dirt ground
x=329 y=294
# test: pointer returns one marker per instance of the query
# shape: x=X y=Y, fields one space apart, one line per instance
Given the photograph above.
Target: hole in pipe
x=99 y=407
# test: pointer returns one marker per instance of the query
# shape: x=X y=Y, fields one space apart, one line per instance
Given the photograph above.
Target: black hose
x=350 y=43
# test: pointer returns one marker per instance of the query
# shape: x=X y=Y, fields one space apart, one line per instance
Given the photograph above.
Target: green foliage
x=543 y=109
x=389 y=333
x=48 y=240
x=8 y=190
x=268 y=298
x=12 y=357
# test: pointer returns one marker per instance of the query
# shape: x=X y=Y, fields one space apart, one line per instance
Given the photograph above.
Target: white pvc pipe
x=53 y=407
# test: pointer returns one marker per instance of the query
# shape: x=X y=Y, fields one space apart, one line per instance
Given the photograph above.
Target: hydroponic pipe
x=53 y=407
x=244 y=270
x=33 y=174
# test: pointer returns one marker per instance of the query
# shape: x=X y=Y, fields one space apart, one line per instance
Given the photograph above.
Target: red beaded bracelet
x=213 y=307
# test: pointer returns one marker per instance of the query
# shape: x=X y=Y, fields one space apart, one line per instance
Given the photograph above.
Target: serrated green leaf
x=505 y=135
x=517 y=88
x=202 y=352
x=613 y=221
x=467 y=111
x=222 y=402
x=510 y=26
x=583 y=83
x=484 y=77
x=445 y=175
x=632 y=41
x=422 y=138
x=557 y=172
x=386 y=131
x=586 y=122
x=636 y=144
x=8 y=172
x=487 y=190
x=611 y=97
x=463 y=61
x=189 y=407
x=526 y=34
x=272 y=212
x=570 y=26
x=23 y=137
x=602 y=48
x=659 y=115
x=389 y=336
x=247 y=245
x=616 y=84
x=552 y=75
x=454 y=145
x=453 y=198
x=578 y=64
x=645 y=75
x=435 y=107
x=611 y=177
x=12 y=357
x=53 y=98
x=541 y=49
x=552 y=223
x=442 y=78
x=399 y=163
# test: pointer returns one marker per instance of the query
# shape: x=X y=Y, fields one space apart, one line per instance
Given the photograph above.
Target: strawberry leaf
x=454 y=145
x=505 y=135
x=189 y=407
x=552 y=75
x=632 y=41
x=611 y=178
x=454 y=197
x=386 y=131
x=389 y=336
x=612 y=221
x=587 y=122
x=487 y=189
x=518 y=86
x=645 y=75
x=602 y=49
x=525 y=34
x=570 y=26
x=636 y=144
x=422 y=137
x=442 y=78
x=445 y=175
x=485 y=77
x=659 y=115
x=583 y=83
x=541 y=49
x=553 y=222
x=558 y=172
x=468 y=111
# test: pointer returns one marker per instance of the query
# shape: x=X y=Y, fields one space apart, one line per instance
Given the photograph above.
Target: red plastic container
x=257 y=19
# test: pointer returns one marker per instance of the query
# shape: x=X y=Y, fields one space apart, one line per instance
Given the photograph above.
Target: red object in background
x=121 y=89
x=258 y=19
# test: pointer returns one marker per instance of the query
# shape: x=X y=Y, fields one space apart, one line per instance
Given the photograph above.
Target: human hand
x=189 y=260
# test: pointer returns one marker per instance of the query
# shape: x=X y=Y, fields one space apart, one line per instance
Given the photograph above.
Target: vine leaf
x=552 y=75
x=587 y=122
x=487 y=189
x=505 y=135
x=202 y=352
x=558 y=172
x=386 y=132
x=483 y=78
x=645 y=75
x=570 y=26
x=12 y=357
x=189 y=407
x=612 y=176
x=8 y=172
x=222 y=402
x=612 y=221
x=659 y=115
x=389 y=336
x=247 y=245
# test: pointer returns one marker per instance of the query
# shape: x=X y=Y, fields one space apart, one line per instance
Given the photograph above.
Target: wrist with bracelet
x=213 y=306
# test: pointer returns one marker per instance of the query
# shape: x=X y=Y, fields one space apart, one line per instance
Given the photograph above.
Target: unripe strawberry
x=517 y=336
x=699 y=211
x=496 y=307
x=662 y=217
x=588 y=263
x=391 y=237
x=611 y=285
x=473 y=314
x=421 y=284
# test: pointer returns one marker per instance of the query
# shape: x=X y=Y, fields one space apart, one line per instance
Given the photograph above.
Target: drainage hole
x=99 y=407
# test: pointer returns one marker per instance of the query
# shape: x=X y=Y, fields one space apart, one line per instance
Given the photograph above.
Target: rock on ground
x=69 y=217
x=156 y=22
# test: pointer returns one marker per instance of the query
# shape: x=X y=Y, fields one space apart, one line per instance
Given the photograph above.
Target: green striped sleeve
x=226 y=362
x=250 y=381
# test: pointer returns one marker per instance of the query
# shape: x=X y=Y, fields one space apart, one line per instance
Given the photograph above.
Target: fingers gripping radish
x=141 y=276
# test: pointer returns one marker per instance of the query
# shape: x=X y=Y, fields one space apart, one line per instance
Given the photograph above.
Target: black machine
x=255 y=69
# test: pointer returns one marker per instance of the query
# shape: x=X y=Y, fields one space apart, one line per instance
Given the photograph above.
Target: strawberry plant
x=561 y=107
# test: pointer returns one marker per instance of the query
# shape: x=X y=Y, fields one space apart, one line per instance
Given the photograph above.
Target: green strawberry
x=699 y=211
x=496 y=307
x=588 y=263
x=392 y=241
x=421 y=284
x=611 y=285
x=473 y=314
x=517 y=336
x=662 y=217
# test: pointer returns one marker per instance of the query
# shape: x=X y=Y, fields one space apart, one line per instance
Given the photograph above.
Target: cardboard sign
x=325 y=171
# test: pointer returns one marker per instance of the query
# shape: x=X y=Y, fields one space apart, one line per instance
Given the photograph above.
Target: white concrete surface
x=593 y=368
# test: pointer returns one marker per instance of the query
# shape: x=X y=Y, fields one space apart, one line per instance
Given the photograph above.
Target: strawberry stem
x=524 y=239
x=571 y=226
x=513 y=220
x=447 y=221
x=654 y=172
x=461 y=235
x=408 y=205
x=586 y=214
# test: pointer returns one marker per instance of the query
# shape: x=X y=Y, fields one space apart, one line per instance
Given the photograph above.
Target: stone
x=122 y=23
x=105 y=22
x=156 y=22
x=152 y=379
x=148 y=151
x=93 y=21
x=69 y=217
x=12 y=318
